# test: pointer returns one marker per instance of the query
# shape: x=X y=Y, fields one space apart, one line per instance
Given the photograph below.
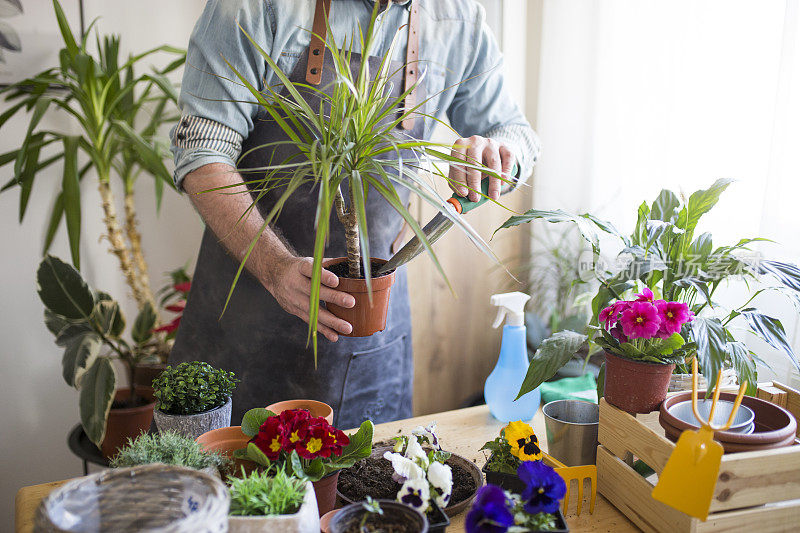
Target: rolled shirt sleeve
x=483 y=104
x=216 y=113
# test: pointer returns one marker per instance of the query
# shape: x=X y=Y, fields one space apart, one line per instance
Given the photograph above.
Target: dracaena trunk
x=135 y=238
x=353 y=249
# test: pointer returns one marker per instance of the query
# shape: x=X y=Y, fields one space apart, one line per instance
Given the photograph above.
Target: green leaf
x=252 y=420
x=710 y=336
x=601 y=381
x=296 y=465
x=55 y=219
x=771 y=330
x=109 y=318
x=665 y=206
x=744 y=365
x=142 y=330
x=360 y=447
x=700 y=203
x=79 y=354
x=97 y=386
x=55 y=323
x=670 y=344
x=552 y=354
x=787 y=273
x=254 y=453
x=63 y=290
x=66 y=31
x=30 y=139
x=587 y=225
x=71 y=198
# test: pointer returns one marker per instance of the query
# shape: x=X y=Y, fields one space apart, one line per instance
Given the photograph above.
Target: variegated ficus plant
x=352 y=135
x=670 y=265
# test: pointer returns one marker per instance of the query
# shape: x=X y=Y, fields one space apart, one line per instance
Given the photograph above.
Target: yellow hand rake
x=688 y=479
x=579 y=474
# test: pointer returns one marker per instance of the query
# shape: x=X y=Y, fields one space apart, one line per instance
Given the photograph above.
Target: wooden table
x=462 y=432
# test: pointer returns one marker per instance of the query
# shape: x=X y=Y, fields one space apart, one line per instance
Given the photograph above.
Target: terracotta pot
x=317 y=409
x=325 y=489
x=366 y=319
x=226 y=441
x=635 y=386
x=127 y=423
x=325 y=521
x=773 y=424
x=145 y=374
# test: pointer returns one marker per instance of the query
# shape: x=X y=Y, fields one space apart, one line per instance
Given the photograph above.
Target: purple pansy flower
x=543 y=487
x=640 y=321
x=490 y=512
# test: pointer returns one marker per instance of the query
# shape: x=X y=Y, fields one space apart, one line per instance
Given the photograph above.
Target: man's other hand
x=477 y=149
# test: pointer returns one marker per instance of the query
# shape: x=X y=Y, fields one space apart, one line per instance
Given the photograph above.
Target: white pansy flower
x=415 y=493
x=405 y=468
x=428 y=432
x=415 y=452
x=440 y=477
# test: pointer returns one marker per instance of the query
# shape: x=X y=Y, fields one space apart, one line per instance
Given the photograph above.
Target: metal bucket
x=571 y=427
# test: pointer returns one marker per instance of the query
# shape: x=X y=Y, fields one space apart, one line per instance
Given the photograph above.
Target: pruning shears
x=456 y=205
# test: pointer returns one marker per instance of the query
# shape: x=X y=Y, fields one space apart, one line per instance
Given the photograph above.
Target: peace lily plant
x=351 y=147
x=672 y=266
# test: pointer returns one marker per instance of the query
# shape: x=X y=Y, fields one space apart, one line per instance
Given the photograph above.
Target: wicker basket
x=144 y=498
x=683 y=382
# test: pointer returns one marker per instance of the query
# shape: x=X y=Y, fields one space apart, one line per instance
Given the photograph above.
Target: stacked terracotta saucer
x=772 y=426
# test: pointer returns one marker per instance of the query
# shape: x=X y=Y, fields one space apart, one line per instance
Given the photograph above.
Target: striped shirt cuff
x=198 y=132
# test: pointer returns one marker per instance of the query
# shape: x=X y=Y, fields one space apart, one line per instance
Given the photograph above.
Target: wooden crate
x=755 y=491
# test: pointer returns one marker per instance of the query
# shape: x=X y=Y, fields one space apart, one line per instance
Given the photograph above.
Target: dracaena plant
x=89 y=325
x=116 y=113
x=666 y=255
x=352 y=135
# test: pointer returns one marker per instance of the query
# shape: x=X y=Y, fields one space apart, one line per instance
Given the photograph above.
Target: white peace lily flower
x=440 y=477
x=405 y=468
x=415 y=452
x=428 y=432
x=415 y=493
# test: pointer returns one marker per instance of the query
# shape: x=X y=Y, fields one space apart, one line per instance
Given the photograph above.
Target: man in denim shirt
x=258 y=337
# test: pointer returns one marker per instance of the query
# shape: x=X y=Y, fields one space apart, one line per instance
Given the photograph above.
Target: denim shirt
x=459 y=56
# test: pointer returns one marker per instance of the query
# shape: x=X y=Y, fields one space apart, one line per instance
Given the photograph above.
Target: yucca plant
x=118 y=113
x=351 y=136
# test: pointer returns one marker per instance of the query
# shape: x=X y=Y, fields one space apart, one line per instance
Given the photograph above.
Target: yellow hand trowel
x=578 y=473
x=688 y=479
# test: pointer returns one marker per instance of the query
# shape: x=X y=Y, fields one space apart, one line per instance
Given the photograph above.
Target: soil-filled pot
x=504 y=480
x=195 y=425
x=305 y=520
x=373 y=477
x=396 y=517
x=124 y=422
x=325 y=489
x=317 y=409
x=226 y=441
x=366 y=319
x=635 y=386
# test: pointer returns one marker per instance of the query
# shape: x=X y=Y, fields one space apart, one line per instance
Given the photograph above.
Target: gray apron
x=361 y=378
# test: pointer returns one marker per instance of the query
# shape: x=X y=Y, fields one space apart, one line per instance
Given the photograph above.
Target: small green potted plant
x=305 y=446
x=193 y=398
x=378 y=515
x=89 y=326
x=272 y=501
x=516 y=443
x=169 y=448
x=536 y=508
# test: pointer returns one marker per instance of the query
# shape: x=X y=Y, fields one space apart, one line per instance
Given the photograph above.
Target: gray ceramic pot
x=194 y=425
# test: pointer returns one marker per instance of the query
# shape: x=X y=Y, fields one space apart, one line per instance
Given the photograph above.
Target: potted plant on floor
x=272 y=501
x=193 y=398
x=305 y=446
x=89 y=326
x=351 y=148
x=115 y=114
x=536 y=508
x=378 y=515
x=664 y=255
x=170 y=448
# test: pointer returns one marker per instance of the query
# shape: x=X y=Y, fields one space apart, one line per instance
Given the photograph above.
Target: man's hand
x=477 y=149
x=290 y=284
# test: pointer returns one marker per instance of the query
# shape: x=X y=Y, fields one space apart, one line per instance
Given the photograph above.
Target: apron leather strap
x=316 y=53
x=412 y=63
x=316 y=50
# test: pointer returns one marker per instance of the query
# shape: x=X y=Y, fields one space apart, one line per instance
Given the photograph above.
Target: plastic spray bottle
x=504 y=382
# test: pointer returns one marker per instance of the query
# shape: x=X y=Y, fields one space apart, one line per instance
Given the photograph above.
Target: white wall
x=38 y=407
